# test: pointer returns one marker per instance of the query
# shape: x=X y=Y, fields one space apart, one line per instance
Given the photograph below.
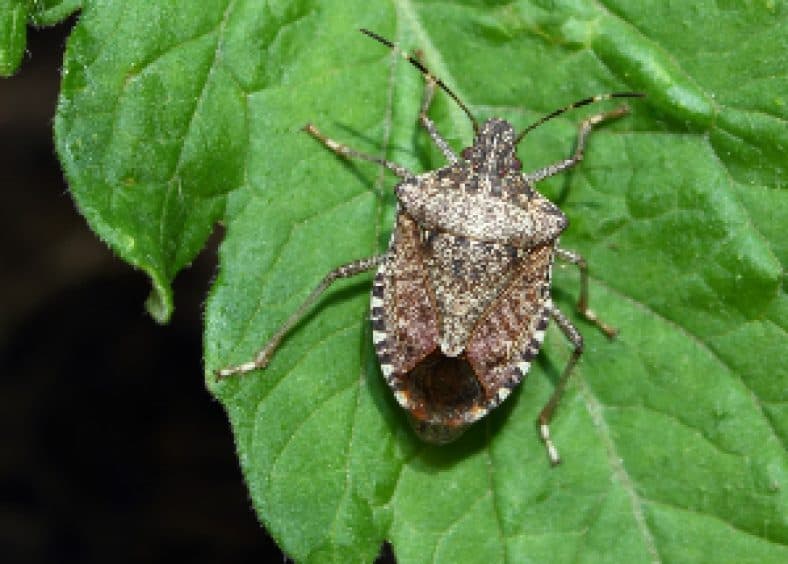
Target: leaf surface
x=15 y=15
x=673 y=436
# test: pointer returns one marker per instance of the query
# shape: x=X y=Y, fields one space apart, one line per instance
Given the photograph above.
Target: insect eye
x=467 y=153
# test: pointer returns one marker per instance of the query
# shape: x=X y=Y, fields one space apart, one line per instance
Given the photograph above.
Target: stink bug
x=461 y=298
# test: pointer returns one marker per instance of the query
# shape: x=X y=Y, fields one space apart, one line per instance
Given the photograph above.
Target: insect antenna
x=578 y=104
x=425 y=71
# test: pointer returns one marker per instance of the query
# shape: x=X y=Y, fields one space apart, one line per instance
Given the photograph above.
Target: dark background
x=112 y=449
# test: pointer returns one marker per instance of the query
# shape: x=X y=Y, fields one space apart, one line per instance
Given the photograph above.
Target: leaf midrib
x=405 y=11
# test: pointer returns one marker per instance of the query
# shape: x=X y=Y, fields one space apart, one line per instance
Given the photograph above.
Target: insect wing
x=404 y=319
x=510 y=332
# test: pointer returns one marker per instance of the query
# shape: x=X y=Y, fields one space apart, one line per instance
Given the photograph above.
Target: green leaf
x=673 y=436
x=50 y=12
x=13 y=34
x=14 y=17
x=151 y=129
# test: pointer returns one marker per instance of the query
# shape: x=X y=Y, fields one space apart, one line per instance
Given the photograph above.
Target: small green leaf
x=673 y=435
x=14 y=17
x=151 y=131
x=13 y=34
x=50 y=12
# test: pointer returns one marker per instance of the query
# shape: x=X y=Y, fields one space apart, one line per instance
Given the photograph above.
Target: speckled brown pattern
x=461 y=299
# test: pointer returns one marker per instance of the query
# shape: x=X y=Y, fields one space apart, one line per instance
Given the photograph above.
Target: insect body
x=461 y=299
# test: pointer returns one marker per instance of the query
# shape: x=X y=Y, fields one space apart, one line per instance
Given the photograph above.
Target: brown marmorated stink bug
x=461 y=298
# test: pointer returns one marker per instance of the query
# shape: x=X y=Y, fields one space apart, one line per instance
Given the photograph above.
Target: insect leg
x=264 y=355
x=429 y=125
x=582 y=302
x=347 y=152
x=585 y=128
x=546 y=415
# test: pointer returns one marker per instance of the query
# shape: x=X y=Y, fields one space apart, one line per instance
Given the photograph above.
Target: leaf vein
x=349 y=450
x=686 y=425
x=492 y=490
x=194 y=113
x=705 y=347
x=675 y=507
x=594 y=408
x=307 y=417
x=267 y=273
x=451 y=526
x=298 y=361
